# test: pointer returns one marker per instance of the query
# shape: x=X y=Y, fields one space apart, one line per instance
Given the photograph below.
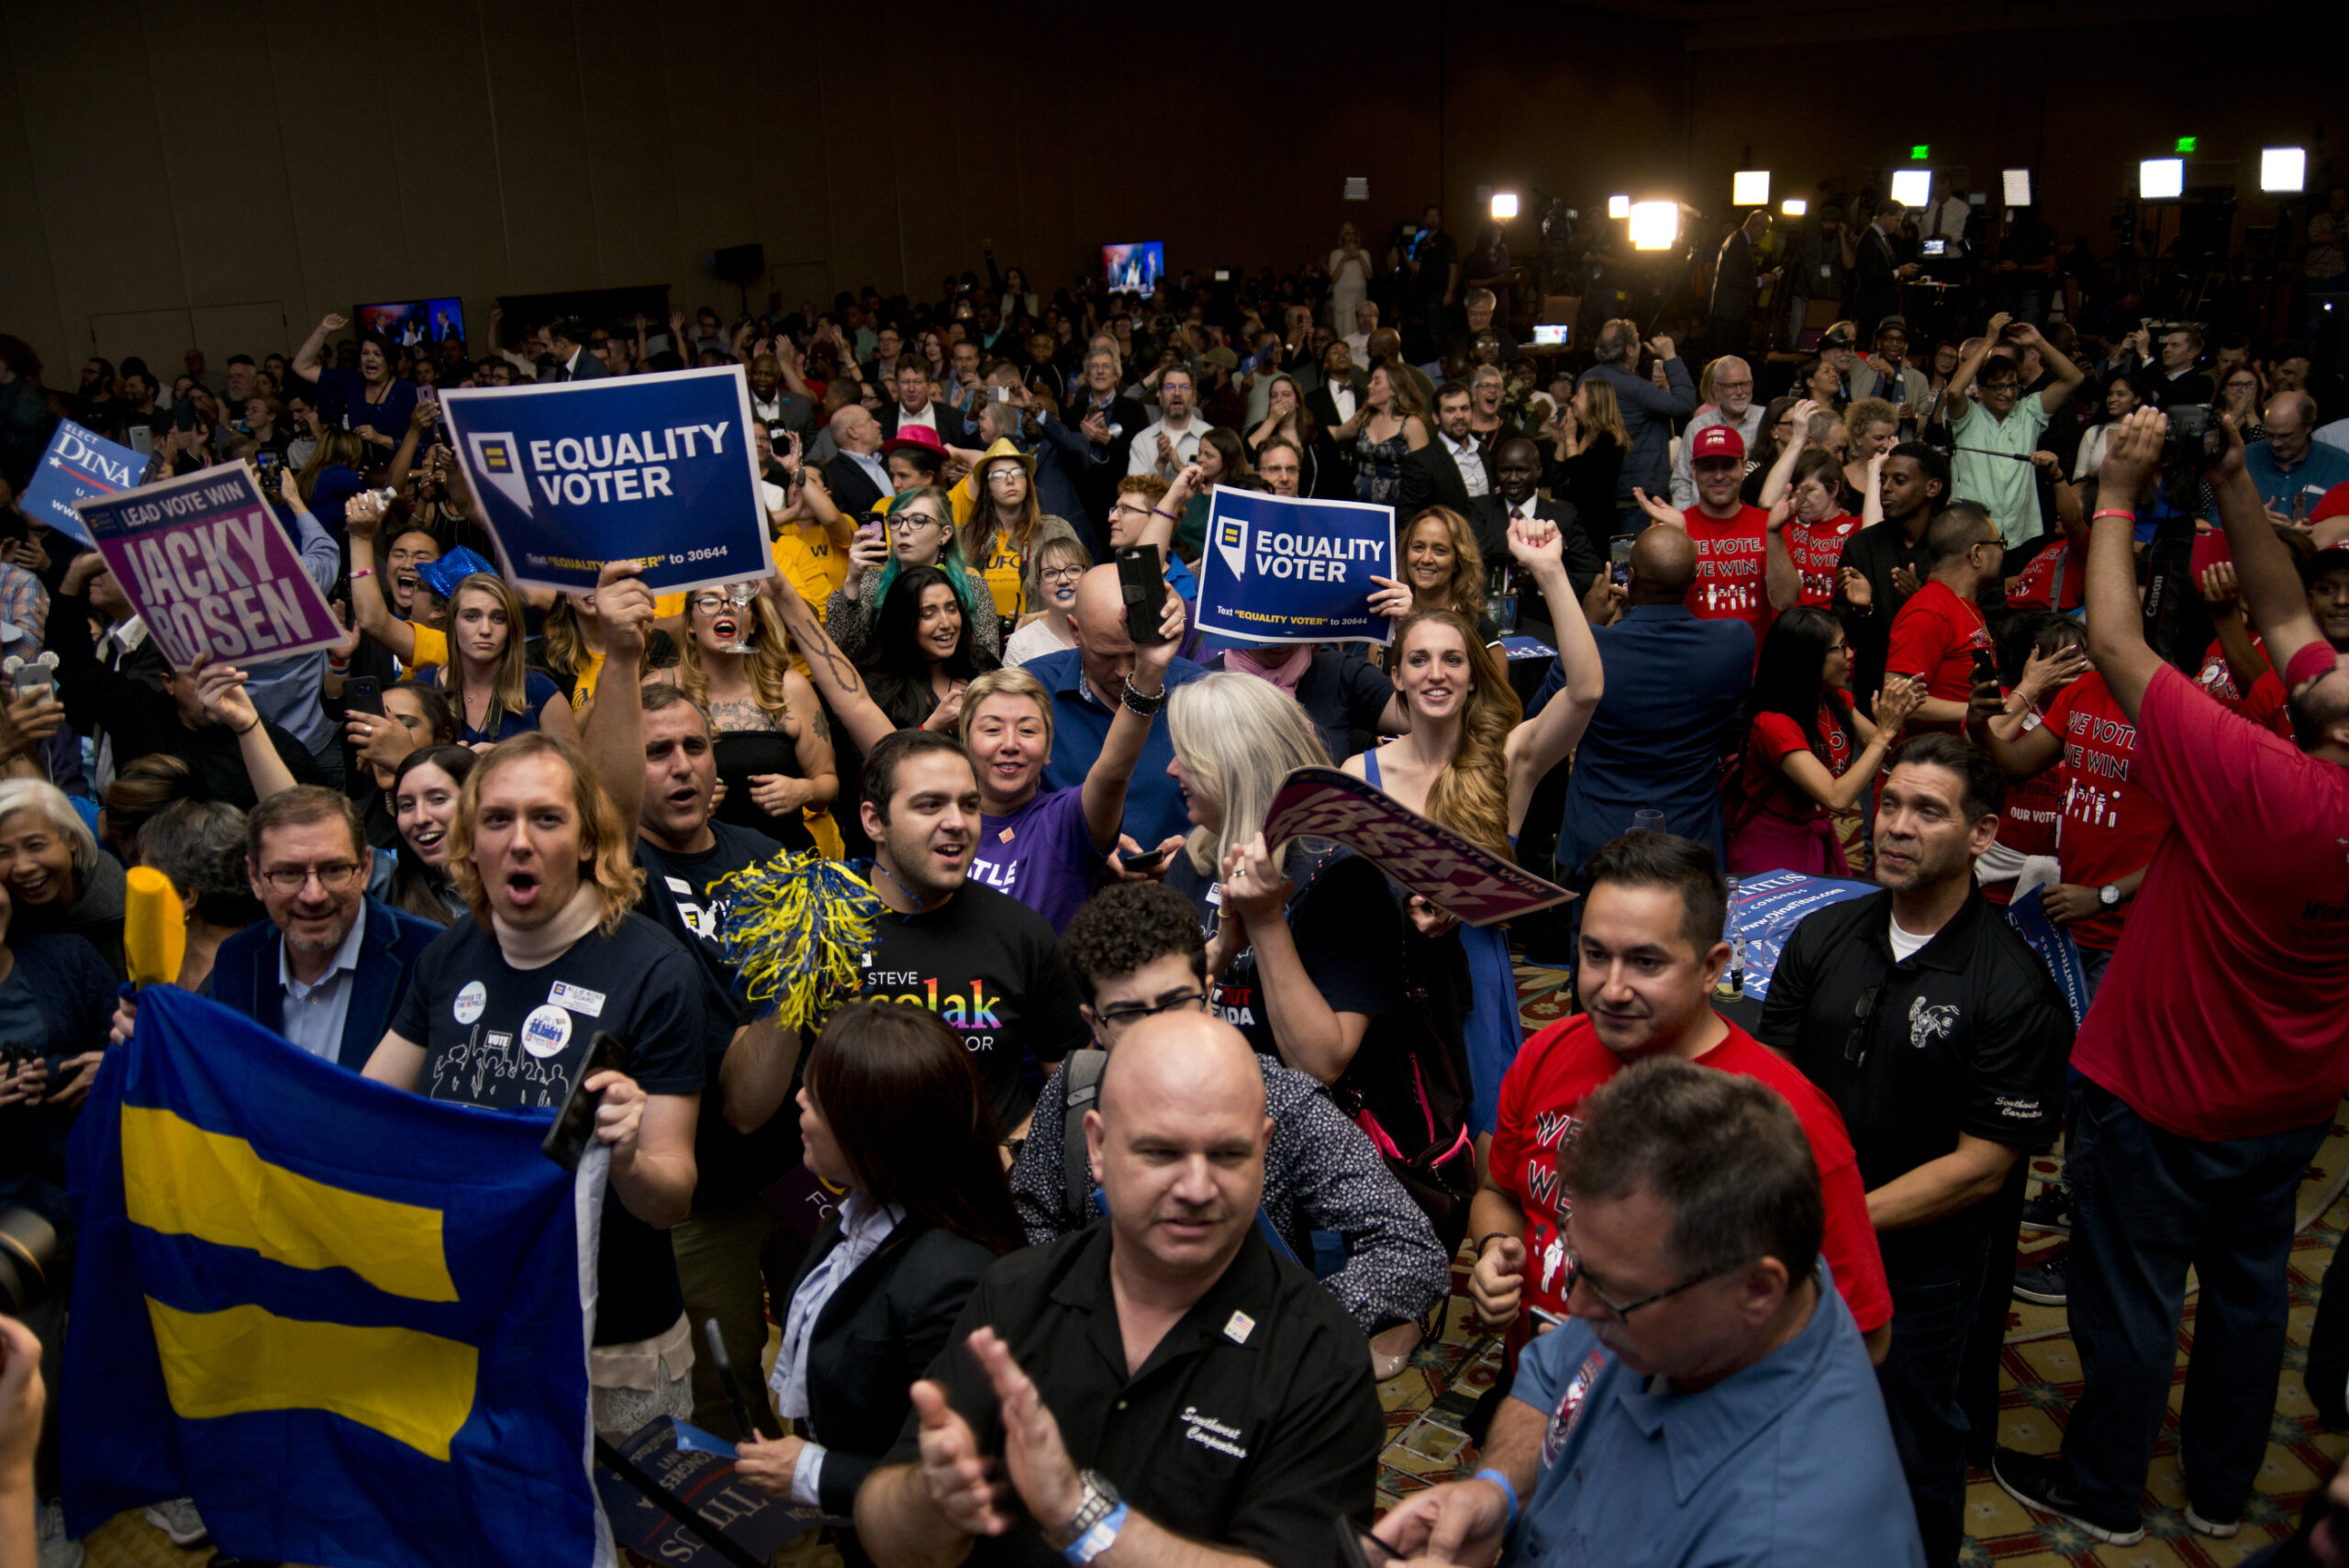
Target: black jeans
x=2147 y=1206
x=1936 y=1278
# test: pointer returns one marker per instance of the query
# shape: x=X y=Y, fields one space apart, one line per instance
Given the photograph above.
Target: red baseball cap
x=1717 y=441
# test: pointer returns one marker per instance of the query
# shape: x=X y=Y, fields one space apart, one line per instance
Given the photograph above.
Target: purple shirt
x=1042 y=854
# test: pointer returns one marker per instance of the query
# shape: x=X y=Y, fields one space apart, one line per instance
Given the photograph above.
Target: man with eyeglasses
x=1137 y=951
x=1943 y=1039
x=1651 y=951
x=330 y=964
x=1731 y=380
x=1709 y=1399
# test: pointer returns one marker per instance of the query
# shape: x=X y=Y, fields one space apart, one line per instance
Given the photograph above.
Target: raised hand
x=1905 y=581
x=1033 y=1454
x=1535 y=544
x=330 y=322
x=626 y=607
x=1660 y=511
x=2044 y=673
x=1393 y=600
x=220 y=693
x=2131 y=455
x=959 y=1478
x=1857 y=590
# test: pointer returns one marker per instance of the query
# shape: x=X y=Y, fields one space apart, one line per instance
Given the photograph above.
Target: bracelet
x=1137 y=703
x=359 y=572
x=1508 y=1491
x=248 y=730
x=2113 y=512
x=1098 y=1539
x=1486 y=1237
x=1162 y=512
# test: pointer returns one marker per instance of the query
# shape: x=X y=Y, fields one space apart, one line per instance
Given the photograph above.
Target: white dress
x=1349 y=286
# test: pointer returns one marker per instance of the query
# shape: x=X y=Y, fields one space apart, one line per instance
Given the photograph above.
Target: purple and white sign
x=205 y=561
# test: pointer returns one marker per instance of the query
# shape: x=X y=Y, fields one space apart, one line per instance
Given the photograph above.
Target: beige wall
x=222 y=174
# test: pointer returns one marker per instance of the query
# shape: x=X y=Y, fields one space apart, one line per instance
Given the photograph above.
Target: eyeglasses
x=1061 y=573
x=1119 y=1017
x=1574 y=1275
x=911 y=521
x=334 y=877
x=1129 y=509
x=1008 y=471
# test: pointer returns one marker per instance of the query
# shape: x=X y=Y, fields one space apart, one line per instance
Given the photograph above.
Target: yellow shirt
x=1001 y=573
x=432 y=647
x=810 y=562
x=583 y=687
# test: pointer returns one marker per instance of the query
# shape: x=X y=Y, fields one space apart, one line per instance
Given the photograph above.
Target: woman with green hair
x=916 y=529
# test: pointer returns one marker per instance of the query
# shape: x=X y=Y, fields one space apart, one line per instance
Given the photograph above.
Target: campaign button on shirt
x=546 y=1031
x=470 y=1002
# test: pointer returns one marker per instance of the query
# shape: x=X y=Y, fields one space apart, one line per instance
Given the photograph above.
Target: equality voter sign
x=1281 y=569
x=653 y=469
x=206 y=560
x=78 y=465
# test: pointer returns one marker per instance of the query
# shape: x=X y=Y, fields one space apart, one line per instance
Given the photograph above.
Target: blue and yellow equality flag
x=352 y=1323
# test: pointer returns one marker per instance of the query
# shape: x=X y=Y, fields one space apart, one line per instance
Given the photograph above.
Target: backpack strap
x=1080 y=1086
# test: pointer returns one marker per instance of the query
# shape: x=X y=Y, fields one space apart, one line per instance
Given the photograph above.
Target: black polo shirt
x=1252 y=1426
x=1968 y=1034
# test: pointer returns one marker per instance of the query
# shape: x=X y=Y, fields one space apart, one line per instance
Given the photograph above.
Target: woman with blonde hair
x=1058 y=564
x=1471 y=760
x=1442 y=569
x=1588 y=442
x=768 y=736
x=494 y=694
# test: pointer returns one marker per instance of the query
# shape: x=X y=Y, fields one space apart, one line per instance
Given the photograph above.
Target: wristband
x=1498 y=1479
x=1098 y=1539
x=2113 y=512
x=359 y=572
x=1162 y=512
x=1486 y=1237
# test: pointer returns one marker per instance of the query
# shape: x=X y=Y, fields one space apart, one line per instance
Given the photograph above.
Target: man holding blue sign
x=1280 y=569
x=656 y=470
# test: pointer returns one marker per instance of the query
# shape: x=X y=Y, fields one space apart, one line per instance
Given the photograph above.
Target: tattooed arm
x=835 y=677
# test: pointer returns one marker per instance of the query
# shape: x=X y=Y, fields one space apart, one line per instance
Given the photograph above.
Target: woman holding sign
x=1470 y=762
x=1442 y=569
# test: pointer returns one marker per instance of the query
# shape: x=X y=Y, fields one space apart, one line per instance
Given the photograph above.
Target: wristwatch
x=2109 y=895
x=1098 y=1498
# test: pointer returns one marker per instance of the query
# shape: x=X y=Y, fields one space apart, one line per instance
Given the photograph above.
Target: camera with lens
x=27 y=1252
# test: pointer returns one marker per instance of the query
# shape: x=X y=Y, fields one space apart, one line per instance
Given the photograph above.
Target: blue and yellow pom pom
x=798 y=928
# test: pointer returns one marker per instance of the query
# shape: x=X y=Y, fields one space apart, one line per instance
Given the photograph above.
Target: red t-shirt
x=2027 y=826
x=1934 y=636
x=1560 y=1066
x=1772 y=738
x=2035 y=584
x=1818 y=549
x=2267 y=704
x=2222 y=1014
x=1730 y=582
x=2111 y=825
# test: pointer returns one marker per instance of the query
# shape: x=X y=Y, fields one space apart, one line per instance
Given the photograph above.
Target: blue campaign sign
x=1281 y=569
x=655 y=468
x=78 y=466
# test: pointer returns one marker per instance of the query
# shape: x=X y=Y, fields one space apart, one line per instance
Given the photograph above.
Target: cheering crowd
x=1151 y=1144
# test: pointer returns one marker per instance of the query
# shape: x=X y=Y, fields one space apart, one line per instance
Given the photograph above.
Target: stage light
x=2284 y=169
x=1911 y=187
x=1919 y=152
x=2018 y=186
x=1750 y=188
x=1654 y=225
x=1619 y=207
x=1794 y=206
x=1504 y=205
x=2161 y=179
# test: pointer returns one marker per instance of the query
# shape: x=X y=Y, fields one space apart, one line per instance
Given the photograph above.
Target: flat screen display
x=1136 y=266
x=415 y=321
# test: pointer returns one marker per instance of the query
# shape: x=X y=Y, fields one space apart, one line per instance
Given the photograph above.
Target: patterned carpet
x=1427 y=1403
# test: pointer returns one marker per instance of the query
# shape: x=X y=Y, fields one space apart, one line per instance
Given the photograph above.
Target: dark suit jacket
x=589 y=366
x=1096 y=478
x=244 y=977
x=1325 y=407
x=853 y=489
x=1488 y=515
x=952 y=429
x=1432 y=479
x=1735 y=277
x=1876 y=291
x=1673 y=684
x=879 y=1332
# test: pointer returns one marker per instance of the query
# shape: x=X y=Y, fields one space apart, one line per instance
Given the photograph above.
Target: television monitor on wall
x=415 y=321
x=1136 y=266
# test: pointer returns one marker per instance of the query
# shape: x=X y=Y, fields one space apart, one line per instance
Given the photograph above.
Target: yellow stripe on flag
x=184 y=1181
x=415 y=1388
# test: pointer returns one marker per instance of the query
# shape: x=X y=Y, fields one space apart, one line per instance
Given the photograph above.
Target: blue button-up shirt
x=1788 y=1462
x=315 y=1014
x=1081 y=727
x=2320 y=471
